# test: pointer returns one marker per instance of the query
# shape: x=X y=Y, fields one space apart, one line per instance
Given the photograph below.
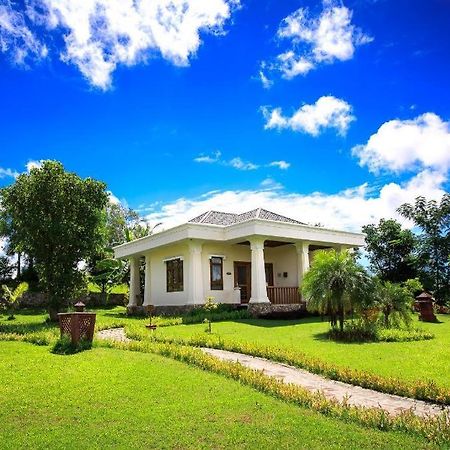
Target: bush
x=64 y=346
x=366 y=331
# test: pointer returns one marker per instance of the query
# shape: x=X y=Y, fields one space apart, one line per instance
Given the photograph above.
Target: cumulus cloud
x=405 y=144
x=16 y=38
x=326 y=112
x=349 y=209
x=322 y=39
x=34 y=164
x=8 y=173
x=99 y=35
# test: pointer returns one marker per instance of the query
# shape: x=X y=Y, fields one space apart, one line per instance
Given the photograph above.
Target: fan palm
x=334 y=284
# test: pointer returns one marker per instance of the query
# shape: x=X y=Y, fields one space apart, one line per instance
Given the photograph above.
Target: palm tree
x=394 y=302
x=12 y=297
x=334 y=284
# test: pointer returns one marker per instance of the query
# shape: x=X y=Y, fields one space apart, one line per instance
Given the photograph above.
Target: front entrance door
x=242 y=278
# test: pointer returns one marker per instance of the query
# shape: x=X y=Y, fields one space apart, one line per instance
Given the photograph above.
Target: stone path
x=355 y=395
x=113 y=334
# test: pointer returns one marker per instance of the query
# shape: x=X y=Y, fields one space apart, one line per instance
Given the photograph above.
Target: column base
x=259 y=300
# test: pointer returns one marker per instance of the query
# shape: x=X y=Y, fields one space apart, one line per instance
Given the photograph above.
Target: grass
x=106 y=398
x=118 y=289
x=409 y=361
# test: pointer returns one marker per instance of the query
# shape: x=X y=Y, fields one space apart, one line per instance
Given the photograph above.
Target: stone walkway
x=355 y=395
x=331 y=389
x=113 y=334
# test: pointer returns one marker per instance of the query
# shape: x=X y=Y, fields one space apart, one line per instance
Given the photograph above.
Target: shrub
x=363 y=330
x=64 y=346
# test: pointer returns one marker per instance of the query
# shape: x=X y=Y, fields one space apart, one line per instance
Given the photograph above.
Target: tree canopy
x=433 y=220
x=55 y=217
x=390 y=251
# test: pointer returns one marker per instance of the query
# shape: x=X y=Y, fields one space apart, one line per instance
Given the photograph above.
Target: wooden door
x=242 y=278
x=269 y=274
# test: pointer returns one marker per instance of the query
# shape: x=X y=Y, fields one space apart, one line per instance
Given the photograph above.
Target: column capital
x=257 y=243
x=302 y=247
x=195 y=246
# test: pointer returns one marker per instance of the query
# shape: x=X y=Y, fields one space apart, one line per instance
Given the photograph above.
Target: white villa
x=257 y=257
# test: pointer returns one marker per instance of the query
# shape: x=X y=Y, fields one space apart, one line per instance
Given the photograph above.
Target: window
x=216 y=271
x=174 y=272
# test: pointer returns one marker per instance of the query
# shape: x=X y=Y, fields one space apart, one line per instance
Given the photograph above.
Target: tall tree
x=433 y=220
x=390 y=251
x=55 y=217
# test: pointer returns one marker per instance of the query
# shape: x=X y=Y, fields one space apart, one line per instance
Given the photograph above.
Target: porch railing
x=283 y=295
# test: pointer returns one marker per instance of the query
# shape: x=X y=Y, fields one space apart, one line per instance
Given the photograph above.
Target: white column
x=259 y=287
x=135 y=285
x=303 y=260
x=195 y=274
x=147 y=282
x=340 y=248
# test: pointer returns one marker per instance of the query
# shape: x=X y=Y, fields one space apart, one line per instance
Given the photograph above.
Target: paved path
x=331 y=389
x=113 y=334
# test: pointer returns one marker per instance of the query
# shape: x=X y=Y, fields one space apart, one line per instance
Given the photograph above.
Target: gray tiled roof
x=224 y=219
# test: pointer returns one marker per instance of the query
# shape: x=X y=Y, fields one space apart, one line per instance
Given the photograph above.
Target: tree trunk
x=53 y=313
x=19 y=257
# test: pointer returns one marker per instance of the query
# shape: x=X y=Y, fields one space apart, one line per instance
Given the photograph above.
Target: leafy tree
x=433 y=220
x=390 y=250
x=12 y=297
x=124 y=225
x=55 y=217
x=109 y=273
x=333 y=284
x=6 y=268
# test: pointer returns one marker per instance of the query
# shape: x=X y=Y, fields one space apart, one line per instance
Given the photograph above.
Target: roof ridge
x=208 y=213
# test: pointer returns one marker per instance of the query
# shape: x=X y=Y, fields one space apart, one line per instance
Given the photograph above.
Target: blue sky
x=330 y=112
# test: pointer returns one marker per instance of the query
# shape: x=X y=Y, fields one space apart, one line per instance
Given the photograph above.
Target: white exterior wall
x=284 y=259
x=158 y=283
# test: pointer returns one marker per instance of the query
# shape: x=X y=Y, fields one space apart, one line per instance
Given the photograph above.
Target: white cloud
x=270 y=184
x=404 y=144
x=349 y=209
x=16 y=38
x=213 y=158
x=113 y=198
x=292 y=65
x=8 y=173
x=283 y=165
x=266 y=82
x=240 y=164
x=327 y=38
x=101 y=34
x=326 y=112
x=237 y=162
x=34 y=164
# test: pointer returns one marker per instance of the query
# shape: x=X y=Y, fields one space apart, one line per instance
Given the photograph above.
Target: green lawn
x=406 y=360
x=118 y=289
x=105 y=398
